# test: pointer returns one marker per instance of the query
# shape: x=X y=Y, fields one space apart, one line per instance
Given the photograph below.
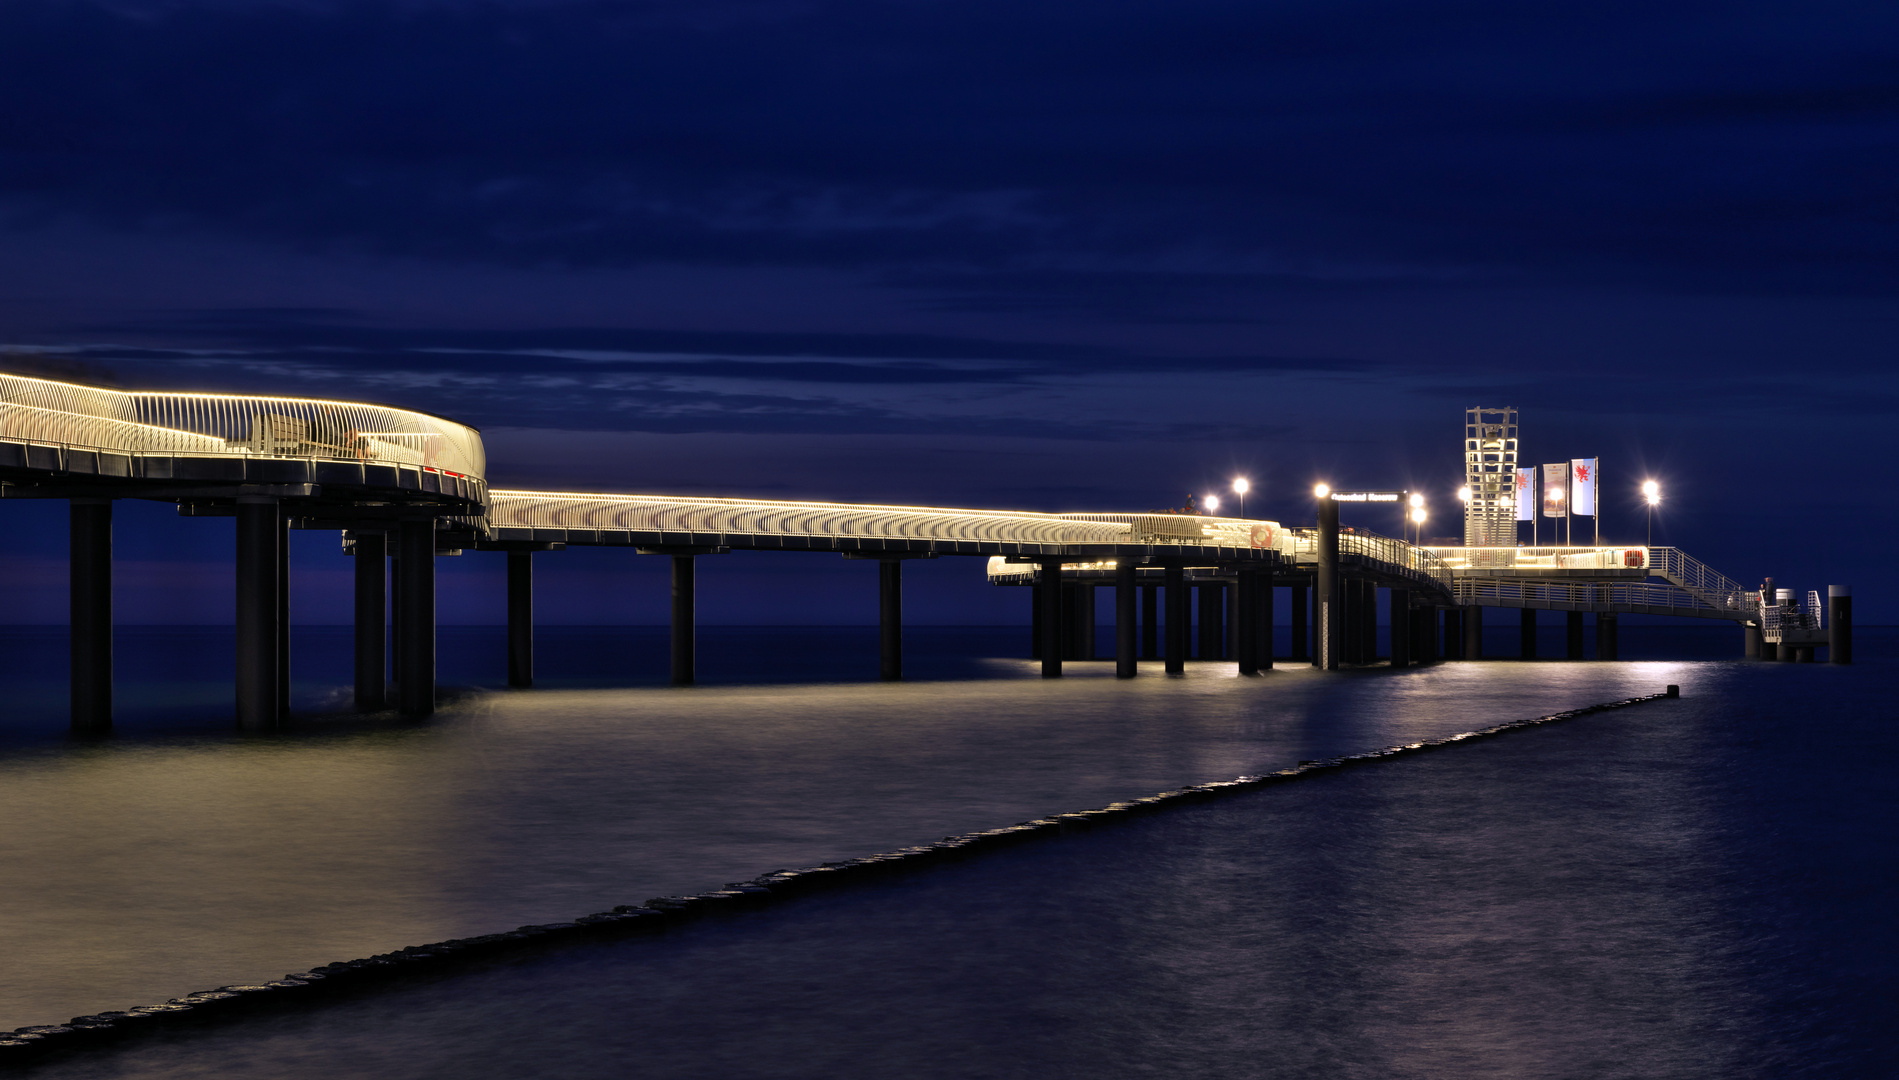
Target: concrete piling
x=90 y=588
x=521 y=619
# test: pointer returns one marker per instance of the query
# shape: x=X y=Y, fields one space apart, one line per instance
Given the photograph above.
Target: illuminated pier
x=404 y=487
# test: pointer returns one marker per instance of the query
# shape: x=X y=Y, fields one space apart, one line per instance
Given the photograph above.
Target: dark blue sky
x=1054 y=256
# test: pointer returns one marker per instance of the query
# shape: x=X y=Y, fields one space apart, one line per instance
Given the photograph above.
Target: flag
x=1526 y=494
x=1582 y=486
x=1556 y=490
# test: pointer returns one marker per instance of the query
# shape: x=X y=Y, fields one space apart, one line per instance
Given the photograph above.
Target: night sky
x=1053 y=256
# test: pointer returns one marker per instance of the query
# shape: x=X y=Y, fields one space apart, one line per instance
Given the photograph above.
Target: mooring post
x=415 y=641
x=1526 y=634
x=1177 y=603
x=90 y=595
x=1150 y=622
x=1050 y=589
x=372 y=675
x=1326 y=596
x=1125 y=588
x=521 y=619
x=890 y=619
x=682 y=658
x=1839 y=620
x=1573 y=624
x=257 y=622
x=1473 y=619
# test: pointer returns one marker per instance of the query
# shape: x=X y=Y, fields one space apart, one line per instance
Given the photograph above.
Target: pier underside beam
x=90 y=585
x=372 y=674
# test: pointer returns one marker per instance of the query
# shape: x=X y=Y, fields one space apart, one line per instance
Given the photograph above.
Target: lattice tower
x=1490 y=470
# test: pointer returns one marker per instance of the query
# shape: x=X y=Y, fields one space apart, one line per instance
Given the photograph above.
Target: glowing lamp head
x=1320 y=491
x=1463 y=493
x=1241 y=487
x=1651 y=491
x=1416 y=501
x=1417 y=514
x=1211 y=502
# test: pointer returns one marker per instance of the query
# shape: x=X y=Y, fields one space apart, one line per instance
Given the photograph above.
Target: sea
x=1699 y=887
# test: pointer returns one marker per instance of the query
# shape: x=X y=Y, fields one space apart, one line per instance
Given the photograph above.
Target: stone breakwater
x=25 y=1045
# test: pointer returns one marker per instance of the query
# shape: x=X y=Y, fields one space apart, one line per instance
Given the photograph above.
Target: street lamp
x=1652 y=493
x=1240 y=488
x=1211 y=502
x=1417 y=512
x=1320 y=491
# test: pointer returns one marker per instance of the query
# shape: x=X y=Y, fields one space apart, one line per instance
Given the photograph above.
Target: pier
x=403 y=487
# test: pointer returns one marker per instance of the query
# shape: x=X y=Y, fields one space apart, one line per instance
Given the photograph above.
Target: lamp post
x=1652 y=494
x=1417 y=514
x=1240 y=488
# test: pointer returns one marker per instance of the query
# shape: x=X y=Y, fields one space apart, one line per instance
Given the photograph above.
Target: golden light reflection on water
x=140 y=871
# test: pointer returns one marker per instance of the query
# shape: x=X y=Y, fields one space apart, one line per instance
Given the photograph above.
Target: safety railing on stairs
x=1710 y=586
x=146 y=422
x=1588 y=596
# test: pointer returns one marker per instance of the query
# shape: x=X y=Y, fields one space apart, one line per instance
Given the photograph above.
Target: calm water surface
x=1689 y=889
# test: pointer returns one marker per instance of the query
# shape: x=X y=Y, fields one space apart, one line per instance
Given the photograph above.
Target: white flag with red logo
x=1526 y=494
x=1582 y=486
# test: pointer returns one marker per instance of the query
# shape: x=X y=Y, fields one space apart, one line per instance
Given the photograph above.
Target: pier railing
x=1196 y=530
x=1548 y=558
x=1392 y=556
x=1648 y=596
x=1710 y=586
x=149 y=422
x=660 y=513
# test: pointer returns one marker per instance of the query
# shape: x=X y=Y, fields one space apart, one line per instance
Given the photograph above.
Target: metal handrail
x=1588 y=595
x=1196 y=530
x=158 y=422
x=1714 y=588
x=1547 y=557
x=661 y=513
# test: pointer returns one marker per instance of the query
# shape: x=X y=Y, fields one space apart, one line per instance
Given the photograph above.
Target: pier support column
x=1150 y=622
x=1453 y=633
x=90 y=595
x=1328 y=634
x=890 y=620
x=1263 y=619
x=1368 y=608
x=1233 y=618
x=415 y=603
x=372 y=646
x=1124 y=628
x=521 y=619
x=1401 y=624
x=1035 y=622
x=1605 y=635
x=257 y=621
x=1244 y=625
x=1177 y=605
x=1049 y=591
x=283 y=614
x=1296 y=606
x=1473 y=620
x=1839 y=621
x=1751 y=641
x=683 y=636
x=1526 y=634
x=1573 y=636
x=1212 y=623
